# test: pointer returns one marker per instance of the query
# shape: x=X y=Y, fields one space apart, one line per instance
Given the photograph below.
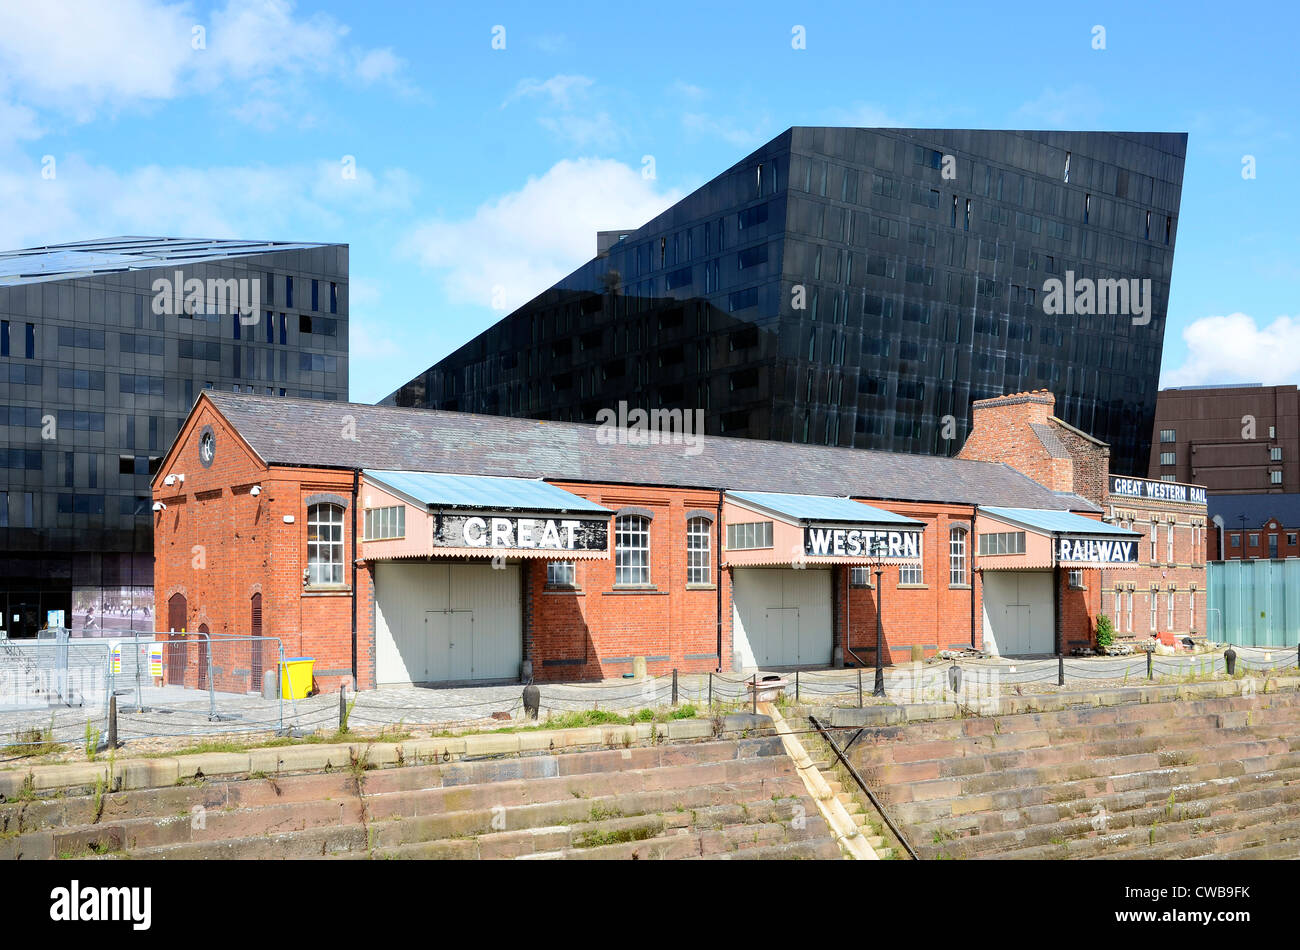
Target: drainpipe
x=717 y=587
x=970 y=546
x=356 y=485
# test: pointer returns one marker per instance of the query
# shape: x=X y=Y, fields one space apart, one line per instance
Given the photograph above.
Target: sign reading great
x=1096 y=551
x=861 y=542
x=1150 y=490
x=521 y=533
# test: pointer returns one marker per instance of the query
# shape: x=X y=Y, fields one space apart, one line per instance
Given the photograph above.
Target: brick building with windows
x=413 y=546
x=1253 y=527
x=1164 y=592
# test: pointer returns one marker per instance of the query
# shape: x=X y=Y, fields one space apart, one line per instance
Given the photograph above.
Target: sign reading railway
x=1150 y=490
x=858 y=542
x=1096 y=551
x=514 y=533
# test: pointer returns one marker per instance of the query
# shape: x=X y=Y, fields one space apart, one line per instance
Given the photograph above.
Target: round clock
x=207 y=446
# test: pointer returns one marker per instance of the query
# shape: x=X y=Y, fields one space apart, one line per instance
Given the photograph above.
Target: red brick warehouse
x=409 y=546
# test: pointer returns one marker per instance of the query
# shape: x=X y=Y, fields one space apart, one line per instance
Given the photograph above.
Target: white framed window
x=1275 y=478
x=1254 y=540
x=1076 y=578
x=860 y=576
x=561 y=574
x=1168 y=435
x=1169 y=609
x=697 y=551
x=1155 y=540
x=911 y=574
x=385 y=523
x=324 y=544
x=1168 y=458
x=957 y=556
x=1155 y=608
x=1275 y=453
x=1169 y=545
x=631 y=551
x=1191 y=608
x=1129 y=627
x=748 y=535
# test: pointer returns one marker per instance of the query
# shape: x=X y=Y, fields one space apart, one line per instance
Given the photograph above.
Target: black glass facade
x=861 y=287
x=94 y=385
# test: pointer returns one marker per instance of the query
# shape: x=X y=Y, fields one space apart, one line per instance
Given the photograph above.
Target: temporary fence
x=1254 y=603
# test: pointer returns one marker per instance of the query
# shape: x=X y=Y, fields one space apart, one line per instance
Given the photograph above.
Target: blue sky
x=482 y=174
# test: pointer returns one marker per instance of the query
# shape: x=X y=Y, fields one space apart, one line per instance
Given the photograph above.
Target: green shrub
x=1105 y=632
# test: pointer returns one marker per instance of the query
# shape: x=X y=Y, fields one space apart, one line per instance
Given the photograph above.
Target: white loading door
x=447 y=623
x=781 y=617
x=1018 y=612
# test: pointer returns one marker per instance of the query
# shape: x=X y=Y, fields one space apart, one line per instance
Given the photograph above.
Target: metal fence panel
x=1255 y=603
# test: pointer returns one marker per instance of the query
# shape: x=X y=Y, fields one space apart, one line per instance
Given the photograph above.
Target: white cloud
x=1235 y=349
x=727 y=129
x=1075 y=107
x=561 y=90
x=686 y=90
x=309 y=201
x=84 y=56
x=525 y=241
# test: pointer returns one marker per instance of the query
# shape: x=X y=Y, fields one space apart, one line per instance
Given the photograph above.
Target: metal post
x=796 y=686
x=753 y=690
x=112 y=722
x=1150 y=673
x=710 y=690
x=1060 y=669
x=139 y=700
x=212 y=687
x=343 y=710
x=674 y=686
x=879 y=689
x=859 y=687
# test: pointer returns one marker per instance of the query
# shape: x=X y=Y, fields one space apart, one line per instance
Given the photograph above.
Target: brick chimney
x=1017 y=430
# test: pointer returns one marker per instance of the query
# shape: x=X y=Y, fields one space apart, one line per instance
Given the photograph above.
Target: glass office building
x=104 y=347
x=861 y=287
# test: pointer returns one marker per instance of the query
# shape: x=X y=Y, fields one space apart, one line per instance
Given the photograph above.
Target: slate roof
x=110 y=255
x=1055 y=447
x=292 y=431
x=821 y=508
x=1258 y=509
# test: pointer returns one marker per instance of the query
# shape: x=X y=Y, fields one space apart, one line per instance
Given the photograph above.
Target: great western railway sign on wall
x=1145 y=488
x=858 y=542
x=521 y=533
x=1096 y=551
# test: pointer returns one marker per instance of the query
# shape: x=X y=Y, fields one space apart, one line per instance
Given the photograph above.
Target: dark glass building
x=861 y=287
x=104 y=347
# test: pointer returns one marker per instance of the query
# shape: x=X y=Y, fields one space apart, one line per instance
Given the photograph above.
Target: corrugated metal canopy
x=1058 y=522
x=821 y=508
x=491 y=492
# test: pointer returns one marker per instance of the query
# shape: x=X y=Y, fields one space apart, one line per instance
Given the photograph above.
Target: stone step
x=1021 y=788
x=511 y=795
x=310 y=843
x=1123 y=714
x=1252 y=810
x=1277 y=851
x=975 y=761
x=1276 y=835
x=1198 y=798
x=823 y=849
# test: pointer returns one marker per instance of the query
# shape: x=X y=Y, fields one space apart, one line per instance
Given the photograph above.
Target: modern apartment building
x=862 y=287
x=104 y=347
x=1236 y=440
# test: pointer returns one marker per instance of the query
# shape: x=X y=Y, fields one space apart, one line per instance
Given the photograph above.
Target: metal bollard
x=796 y=686
x=674 y=686
x=954 y=678
x=270 y=685
x=1150 y=667
x=343 y=710
x=112 y=722
x=1230 y=660
x=859 y=687
x=1060 y=670
x=532 y=700
x=710 y=690
x=753 y=691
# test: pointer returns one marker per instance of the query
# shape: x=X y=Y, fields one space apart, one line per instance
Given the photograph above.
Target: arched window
x=697 y=551
x=324 y=545
x=631 y=550
x=957 y=556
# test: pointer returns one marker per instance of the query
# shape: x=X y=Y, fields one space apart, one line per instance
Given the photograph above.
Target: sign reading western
x=1156 y=491
x=860 y=542
x=1096 y=551
x=541 y=534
